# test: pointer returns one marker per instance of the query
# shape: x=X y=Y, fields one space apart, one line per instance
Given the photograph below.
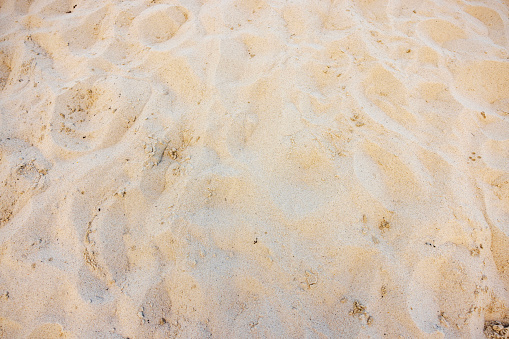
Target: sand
x=254 y=169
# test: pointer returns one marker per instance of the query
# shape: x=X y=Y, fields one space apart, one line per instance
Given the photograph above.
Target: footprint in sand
x=55 y=8
x=492 y=20
x=49 y=330
x=441 y=32
x=5 y=69
x=389 y=94
x=437 y=284
x=93 y=115
x=91 y=29
x=486 y=83
x=23 y=172
x=160 y=25
x=387 y=178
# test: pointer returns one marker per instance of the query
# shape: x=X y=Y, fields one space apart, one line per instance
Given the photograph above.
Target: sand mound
x=239 y=169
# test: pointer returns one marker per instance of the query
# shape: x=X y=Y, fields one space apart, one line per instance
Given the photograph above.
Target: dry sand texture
x=254 y=169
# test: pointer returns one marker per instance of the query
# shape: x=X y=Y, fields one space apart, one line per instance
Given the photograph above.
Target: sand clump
x=235 y=169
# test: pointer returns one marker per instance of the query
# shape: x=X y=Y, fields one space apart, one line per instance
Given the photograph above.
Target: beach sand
x=254 y=169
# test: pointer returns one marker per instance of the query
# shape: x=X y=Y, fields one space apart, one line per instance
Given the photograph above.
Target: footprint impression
x=93 y=115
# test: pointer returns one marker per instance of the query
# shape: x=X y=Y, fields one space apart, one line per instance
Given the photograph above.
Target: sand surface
x=254 y=169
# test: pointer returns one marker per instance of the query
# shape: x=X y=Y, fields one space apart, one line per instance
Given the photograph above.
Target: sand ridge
x=251 y=168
